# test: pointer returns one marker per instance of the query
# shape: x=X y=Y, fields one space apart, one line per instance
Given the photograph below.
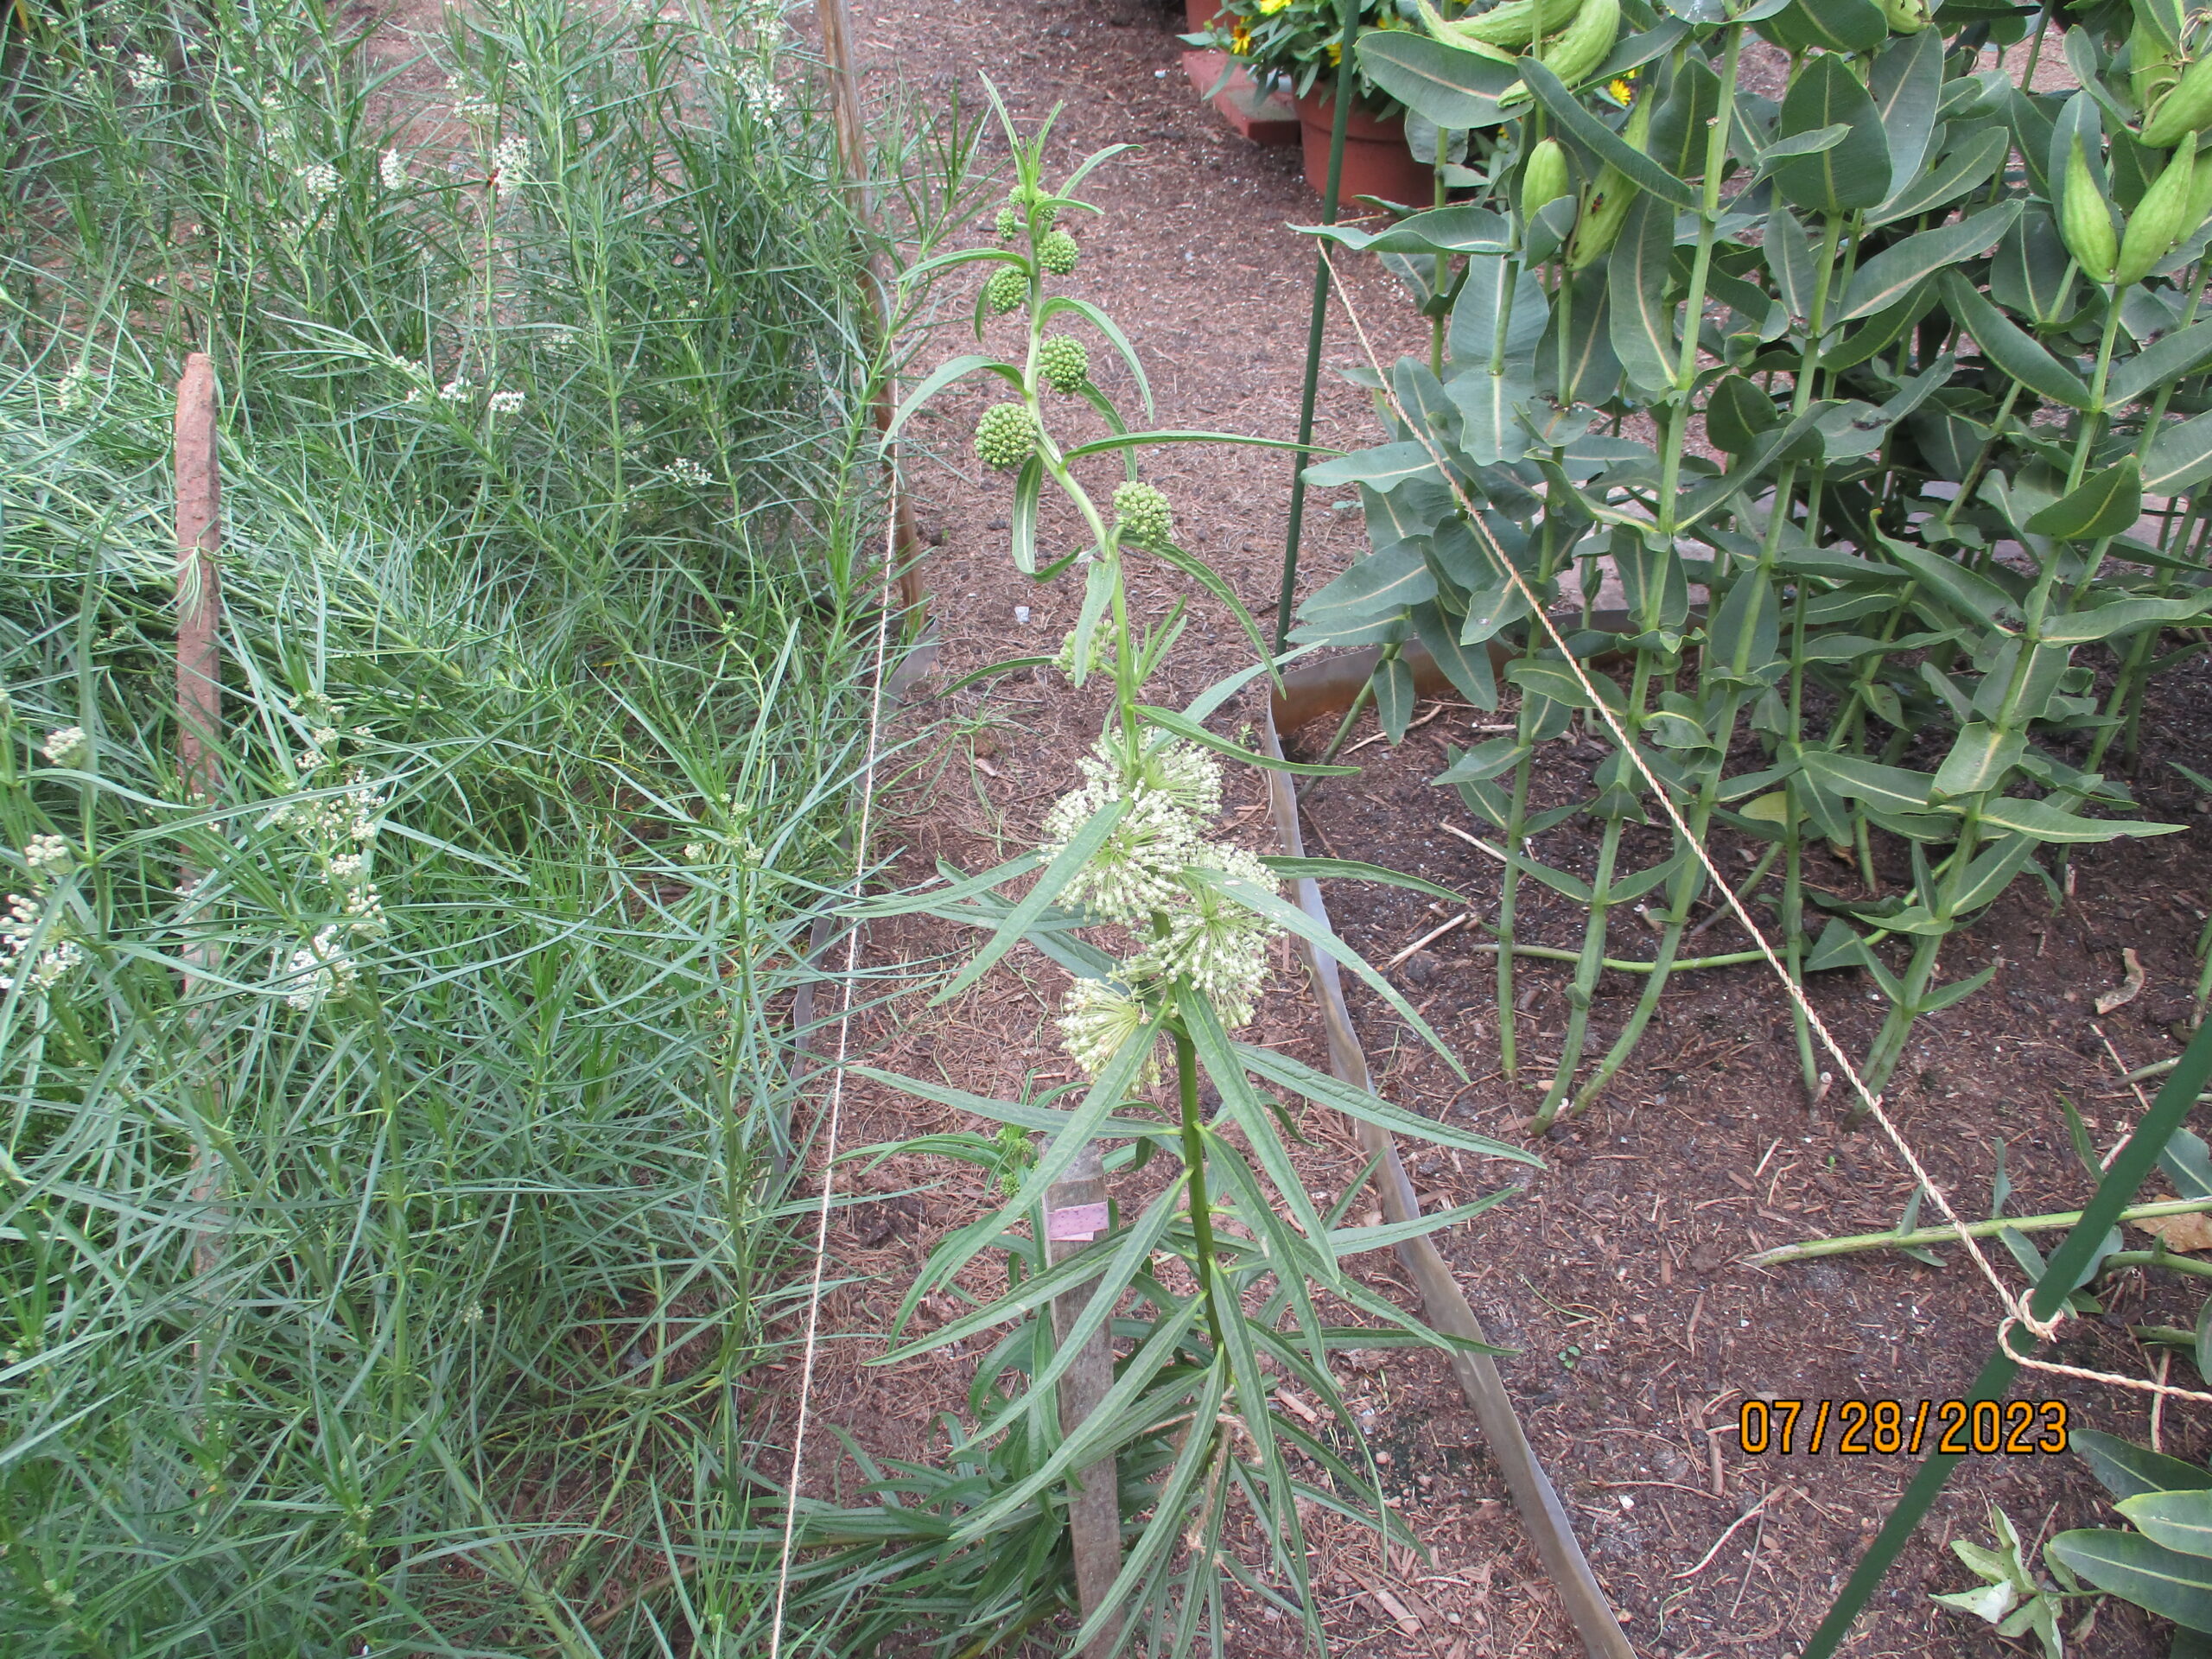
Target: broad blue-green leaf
x=1973 y=596
x=2180 y=1521
x=2033 y=275
x=1643 y=316
x=1555 y=680
x=2179 y=457
x=1890 y=275
x=2104 y=504
x=1467 y=667
x=1601 y=141
x=1789 y=258
x=1457 y=89
x=1968 y=166
x=1848 y=26
x=1855 y=173
x=2048 y=822
x=1890 y=787
x=2125 y=1469
x=1980 y=756
x=2169 y=1584
x=2120 y=616
x=1381 y=468
x=1481 y=311
x=1745 y=632
x=1908 y=87
x=2162 y=361
x=2007 y=344
x=1491 y=431
x=1381 y=582
x=1394 y=696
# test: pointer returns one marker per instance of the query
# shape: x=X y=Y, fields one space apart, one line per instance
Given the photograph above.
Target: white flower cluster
x=65 y=747
x=334 y=819
x=685 y=471
x=324 y=969
x=506 y=402
x=1141 y=877
x=72 y=387
x=48 y=856
x=761 y=94
x=318 y=178
x=510 y=161
x=469 y=106
x=392 y=169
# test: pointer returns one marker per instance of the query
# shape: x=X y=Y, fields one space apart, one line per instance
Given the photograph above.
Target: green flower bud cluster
x=1008 y=288
x=1009 y=224
x=1057 y=253
x=1064 y=363
x=1018 y=212
x=1143 y=511
x=1006 y=436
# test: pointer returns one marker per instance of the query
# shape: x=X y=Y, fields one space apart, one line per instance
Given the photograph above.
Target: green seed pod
x=2152 y=69
x=1456 y=35
x=1906 y=17
x=1543 y=177
x=1515 y=23
x=1144 y=515
x=1057 y=253
x=1586 y=43
x=2161 y=219
x=2200 y=192
x=1064 y=362
x=2085 y=220
x=1006 y=436
x=1606 y=202
x=1009 y=287
x=2188 y=108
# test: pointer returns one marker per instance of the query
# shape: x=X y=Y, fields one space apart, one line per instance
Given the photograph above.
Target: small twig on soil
x=1433 y=934
x=2158 y=1402
x=1752 y=1514
x=1751 y=1563
x=1926 y=1236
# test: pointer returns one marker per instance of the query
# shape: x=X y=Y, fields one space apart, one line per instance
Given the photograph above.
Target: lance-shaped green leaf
x=1890 y=275
x=1601 y=141
x=1205 y=574
x=1293 y=919
x=1853 y=173
x=1797 y=144
x=908 y=904
x=1027 y=487
x=1191 y=732
x=1980 y=756
x=1468 y=667
x=2180 y=1521
x=2003 y=343
x=1324 y=1090
x=1131 y=440
x=1393 y=695
x=2048 y=822
x=1789 y=257
x=942 y=375
x=1356 y=1241
x=1097 y=592
x=1966 y=167
x=2179 y=457
x=1973 y=595
x=1892 y=788
x=2165 y=360
x=1351 y=869
x=2128 y=1565
x=1105 y=325
x=1381 y=468
x=1064 y=868
x=2120 y=616
x=1460 y=228
x=1643 y=316
x=1908 y=87
x=2125 y=1469
x=1386 y=581
x=2104 y=504
x=1457 y=89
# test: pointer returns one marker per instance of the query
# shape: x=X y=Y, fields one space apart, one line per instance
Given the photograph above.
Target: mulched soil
x=1619 y=1274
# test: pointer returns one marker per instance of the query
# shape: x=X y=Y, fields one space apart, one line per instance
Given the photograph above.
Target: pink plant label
x=1080 y=1221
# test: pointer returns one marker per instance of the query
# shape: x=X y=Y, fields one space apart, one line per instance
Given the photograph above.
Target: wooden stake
x=852 y=150
x=199 y=697
x=1075 y=1213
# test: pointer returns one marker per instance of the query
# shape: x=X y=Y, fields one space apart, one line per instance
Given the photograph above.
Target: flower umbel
x=1057 y=252
x=65 y=747
x=1008 y=288
x=1005 y=435
x=1064 y=362
x=1146 y=519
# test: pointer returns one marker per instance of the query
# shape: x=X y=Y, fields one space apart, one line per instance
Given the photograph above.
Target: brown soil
x=1618 y=1276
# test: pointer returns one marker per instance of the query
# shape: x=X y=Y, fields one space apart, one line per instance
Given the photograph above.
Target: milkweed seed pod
x=2085 y=220
x=1456 y=34
x=1006 y=436
x=1009 y=287
x=1586 y=43
x=1513 y=24
x=1144 y=514
x=2152 y=69
x=2187 y=108
x=1064 y=363
x=2200 y=192
x=1057 y=253
x=1611 y=195
x=1543 y=178
x=1906 y=17
x=2161 y=219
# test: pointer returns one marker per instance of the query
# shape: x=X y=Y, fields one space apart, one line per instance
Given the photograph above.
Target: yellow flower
x=1240 y=39
x=1623 y=87
x=1268 y=8
x=1336 y=52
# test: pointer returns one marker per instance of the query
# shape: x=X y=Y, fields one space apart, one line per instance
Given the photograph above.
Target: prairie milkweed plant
x=1219 y=1286
x=388 y=1135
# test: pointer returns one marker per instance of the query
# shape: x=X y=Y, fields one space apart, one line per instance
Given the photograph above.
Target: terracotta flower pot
x=1377 y=161
x=1200 y=14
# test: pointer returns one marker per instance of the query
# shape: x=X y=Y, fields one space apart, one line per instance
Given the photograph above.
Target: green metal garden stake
x=1346 y=81
x=2122 y=1177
